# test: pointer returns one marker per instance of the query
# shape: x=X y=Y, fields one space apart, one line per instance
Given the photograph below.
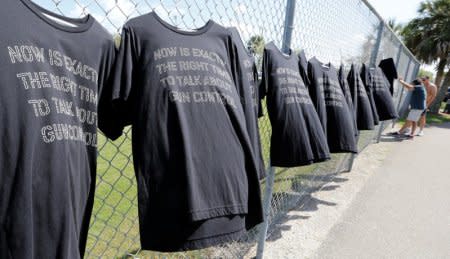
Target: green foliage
x=117 y=39
x=432 y=118
x=396 y=27
x=428 y=35
x=256 y=43
x=437 y=118
x=423 y=72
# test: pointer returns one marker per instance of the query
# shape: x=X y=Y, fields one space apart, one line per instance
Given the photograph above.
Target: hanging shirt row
x=192 y=99
x=315 y=110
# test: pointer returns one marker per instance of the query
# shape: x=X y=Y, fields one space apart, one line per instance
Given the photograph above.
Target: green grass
x=438 y=118
x=432 y=118
x=114 y=226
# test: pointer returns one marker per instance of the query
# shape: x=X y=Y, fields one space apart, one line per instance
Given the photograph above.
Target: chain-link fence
x=339 y=31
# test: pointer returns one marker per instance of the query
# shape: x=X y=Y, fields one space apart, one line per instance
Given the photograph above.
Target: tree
x=423 y=72
x=256 y=43
x=435 y=106
x=428 y=37
x=396 y=27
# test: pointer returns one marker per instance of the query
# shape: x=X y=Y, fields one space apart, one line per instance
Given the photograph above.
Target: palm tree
x=396 y=27
x=428 y=37
x=256 y=43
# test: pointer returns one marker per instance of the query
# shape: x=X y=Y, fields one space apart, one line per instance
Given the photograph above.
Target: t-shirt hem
x=198 y=243
x=344 y=150
x=218 y=212
x=322 y=159
x=366 y=128
x=389 y=117
x=292 y=164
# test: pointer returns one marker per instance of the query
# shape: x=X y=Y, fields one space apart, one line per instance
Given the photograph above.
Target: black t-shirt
x=51 y=76
x=193 y=157
x=348 y=95
x=303 y=66
x=379 y=85
x=390 y=71
x=369 y=90
x=331 y=106
x=297 y=136
x=249 y=97
x=345 y=88
x=261 y=95
x=364 y=115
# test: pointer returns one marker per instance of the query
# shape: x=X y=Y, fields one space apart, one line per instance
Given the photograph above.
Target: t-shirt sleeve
x=316 y=93
x=114 y=108
x=303 y=68
x=105 y=84
x=237 y=72
x=258 y=90
x=264 y=83
x=312 y=89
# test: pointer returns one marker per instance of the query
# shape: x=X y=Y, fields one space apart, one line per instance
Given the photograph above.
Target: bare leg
x=422 y=121
x=414 y=126
x=405 y=126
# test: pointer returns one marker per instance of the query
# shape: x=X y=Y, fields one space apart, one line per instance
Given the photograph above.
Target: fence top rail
x=375 y=12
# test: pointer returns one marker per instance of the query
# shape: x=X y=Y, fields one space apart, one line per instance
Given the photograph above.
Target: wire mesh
x=341 y=32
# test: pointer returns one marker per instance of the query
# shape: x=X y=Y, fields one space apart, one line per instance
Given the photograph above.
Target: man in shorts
x=431 y=95
x=417 y=104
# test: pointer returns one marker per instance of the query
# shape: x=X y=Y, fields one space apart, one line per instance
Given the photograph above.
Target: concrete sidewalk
x=403 y=211
x=394 y=204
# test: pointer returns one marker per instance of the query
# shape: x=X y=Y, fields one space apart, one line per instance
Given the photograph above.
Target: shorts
x=424 y=112
x=414 y=115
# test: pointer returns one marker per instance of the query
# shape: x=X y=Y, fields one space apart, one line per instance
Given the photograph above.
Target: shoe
x=410 y=137
x=420 y=134
x=394 y=133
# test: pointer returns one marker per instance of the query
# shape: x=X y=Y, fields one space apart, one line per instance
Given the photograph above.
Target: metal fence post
x=373 y=60
x=376 y=47
x=288 y=25
x=398 y=94
x=397 y=60
x=416 y=70
x=399 y=104
x=270 y=179
x=266 y=207
x=352 y=160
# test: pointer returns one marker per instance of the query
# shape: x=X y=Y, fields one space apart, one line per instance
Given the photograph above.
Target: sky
x=402 y=10
x=195 y=16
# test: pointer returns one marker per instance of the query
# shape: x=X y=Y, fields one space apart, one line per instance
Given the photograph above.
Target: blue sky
x=319 y=25
x=401 y=10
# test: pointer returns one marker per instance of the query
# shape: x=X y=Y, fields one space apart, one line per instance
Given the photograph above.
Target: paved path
x=403 y=210
x=394 y=204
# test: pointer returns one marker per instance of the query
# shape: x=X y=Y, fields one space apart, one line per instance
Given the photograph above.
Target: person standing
x=431 y=90
x=417 y=103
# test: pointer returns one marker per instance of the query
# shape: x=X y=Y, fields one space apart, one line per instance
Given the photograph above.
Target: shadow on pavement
x=301 y=199
x=445 y=125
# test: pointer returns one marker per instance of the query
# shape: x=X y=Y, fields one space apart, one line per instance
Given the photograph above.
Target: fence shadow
x=300 y=199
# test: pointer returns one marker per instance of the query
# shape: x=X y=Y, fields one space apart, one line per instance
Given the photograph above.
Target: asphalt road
x=403 y=209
